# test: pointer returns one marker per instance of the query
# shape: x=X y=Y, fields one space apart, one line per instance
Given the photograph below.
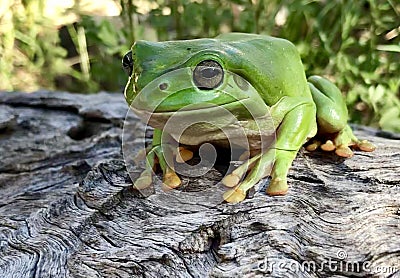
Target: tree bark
x=68 y=209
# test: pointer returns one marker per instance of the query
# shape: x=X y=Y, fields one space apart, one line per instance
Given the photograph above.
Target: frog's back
x=242 y=36
x=273 y=65
x=246 y=39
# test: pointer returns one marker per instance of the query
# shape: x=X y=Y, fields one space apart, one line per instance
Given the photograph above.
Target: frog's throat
x=189 y=110
x=209 y=114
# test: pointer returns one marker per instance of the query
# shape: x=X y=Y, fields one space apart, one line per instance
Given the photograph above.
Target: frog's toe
x=231 y=180
x=143 y=181
x=328 y=146
x=277 y=187
x=171 y=179
x=313 y=146
x=366 y=146
x=234 y=195
x=344 y=151
x=183 y=154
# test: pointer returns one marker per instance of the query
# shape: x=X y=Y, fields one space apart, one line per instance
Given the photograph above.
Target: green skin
x=300 y=108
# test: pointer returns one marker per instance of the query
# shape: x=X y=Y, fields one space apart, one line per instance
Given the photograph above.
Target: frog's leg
x=297 y=122
x=155 y=155
x=332 y=118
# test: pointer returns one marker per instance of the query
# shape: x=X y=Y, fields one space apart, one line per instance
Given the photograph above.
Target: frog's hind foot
x=341 y=143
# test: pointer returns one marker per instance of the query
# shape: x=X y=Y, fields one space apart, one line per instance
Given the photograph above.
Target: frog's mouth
x=188 y=113
x=222 y=115
x=193 y=108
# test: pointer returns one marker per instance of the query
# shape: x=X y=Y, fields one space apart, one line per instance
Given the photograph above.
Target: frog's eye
x=127 y=63
x=208 y=75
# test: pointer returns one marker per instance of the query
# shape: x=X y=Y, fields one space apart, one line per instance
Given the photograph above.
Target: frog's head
x=192 y=75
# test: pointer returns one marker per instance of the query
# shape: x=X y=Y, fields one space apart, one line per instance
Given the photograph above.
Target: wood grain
x=67 y=208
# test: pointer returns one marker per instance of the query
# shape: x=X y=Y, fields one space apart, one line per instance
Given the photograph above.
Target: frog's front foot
x=156 y=155
x=274 y=163
x=341 y=143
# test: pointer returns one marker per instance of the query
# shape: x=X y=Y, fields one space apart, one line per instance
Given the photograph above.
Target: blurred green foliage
x=354 y=43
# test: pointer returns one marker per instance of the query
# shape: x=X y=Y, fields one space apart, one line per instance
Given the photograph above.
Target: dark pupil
x=127 y=62
x=208 y=75
x=209 y=72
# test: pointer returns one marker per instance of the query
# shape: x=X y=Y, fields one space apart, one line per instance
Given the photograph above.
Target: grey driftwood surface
x=67 y=207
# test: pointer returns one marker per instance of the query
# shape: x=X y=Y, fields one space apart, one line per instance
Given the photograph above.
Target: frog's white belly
x=248 y=134
x=215 y=125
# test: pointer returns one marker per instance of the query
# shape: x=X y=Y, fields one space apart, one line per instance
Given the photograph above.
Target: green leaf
x=375 y=95
x=391 y=47
x=390 y=120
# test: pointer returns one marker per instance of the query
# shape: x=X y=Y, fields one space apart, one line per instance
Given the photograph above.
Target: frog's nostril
x=163 y=86
x=127 y=63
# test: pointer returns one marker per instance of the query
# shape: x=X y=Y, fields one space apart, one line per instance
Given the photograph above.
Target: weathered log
x=68 y=209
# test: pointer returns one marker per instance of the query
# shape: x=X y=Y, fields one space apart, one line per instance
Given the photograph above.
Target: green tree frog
x=301 y=108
